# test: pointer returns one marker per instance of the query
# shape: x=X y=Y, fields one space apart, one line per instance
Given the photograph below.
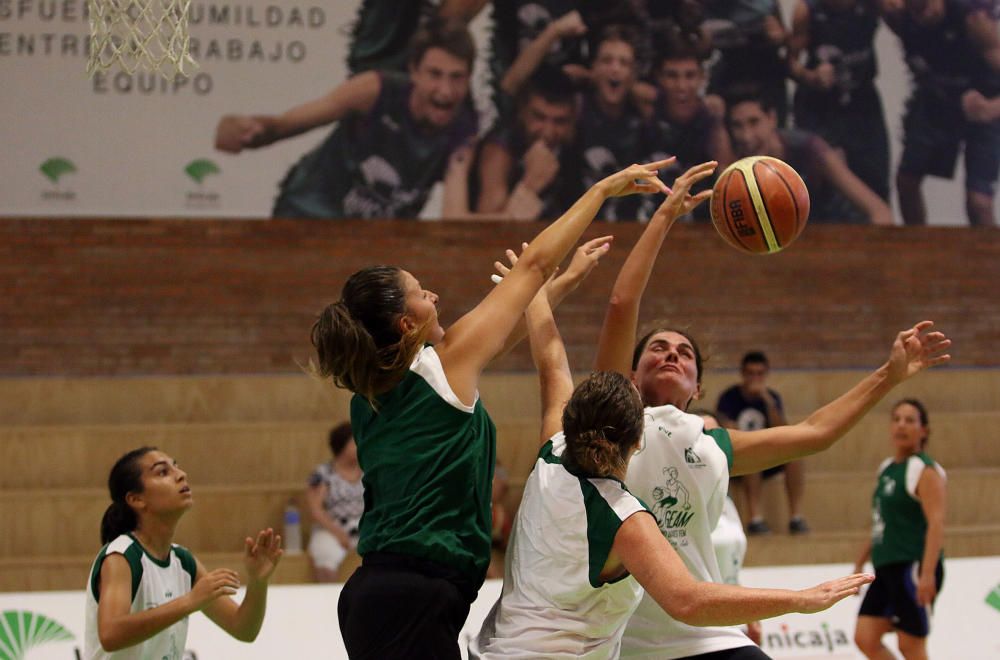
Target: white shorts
x=325 y=550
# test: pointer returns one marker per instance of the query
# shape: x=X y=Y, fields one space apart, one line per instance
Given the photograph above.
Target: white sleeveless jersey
x=554 y=603
x=154 y=582
x=682 y=473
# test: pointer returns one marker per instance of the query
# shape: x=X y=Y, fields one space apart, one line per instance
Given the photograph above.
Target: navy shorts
x=934 y=130
x=893 y=596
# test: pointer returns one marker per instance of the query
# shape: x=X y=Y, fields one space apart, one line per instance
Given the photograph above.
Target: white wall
x=301 y=621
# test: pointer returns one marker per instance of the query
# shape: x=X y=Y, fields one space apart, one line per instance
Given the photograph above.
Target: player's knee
x=910 y=645
x=867 y=641
x=979 y=207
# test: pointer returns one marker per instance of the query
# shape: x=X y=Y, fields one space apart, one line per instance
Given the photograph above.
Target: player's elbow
x=621 y=305
x=684 y=611
x=109 y=639
x=685 y=605
x=689 y=609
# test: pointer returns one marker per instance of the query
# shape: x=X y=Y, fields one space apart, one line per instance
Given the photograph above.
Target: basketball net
x=140 y=34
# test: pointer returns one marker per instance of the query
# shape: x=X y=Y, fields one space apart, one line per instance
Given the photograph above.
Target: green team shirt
x=898 y=523
x=428 y=471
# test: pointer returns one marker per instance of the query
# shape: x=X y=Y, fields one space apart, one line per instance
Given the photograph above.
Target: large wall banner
x=302 y=620
x=128 y=145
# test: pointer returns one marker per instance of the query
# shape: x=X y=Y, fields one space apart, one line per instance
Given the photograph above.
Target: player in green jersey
x=908 y=509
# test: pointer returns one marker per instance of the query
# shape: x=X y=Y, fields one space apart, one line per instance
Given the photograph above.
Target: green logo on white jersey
x=672 y=504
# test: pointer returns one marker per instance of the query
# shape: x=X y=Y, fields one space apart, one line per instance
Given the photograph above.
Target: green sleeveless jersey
x=428 y=471
x=898 y=523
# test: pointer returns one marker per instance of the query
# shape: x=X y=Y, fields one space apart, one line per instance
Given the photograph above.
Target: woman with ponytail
x=583 y=548
x=143 y=587
x=425 y=442
x=906 y=546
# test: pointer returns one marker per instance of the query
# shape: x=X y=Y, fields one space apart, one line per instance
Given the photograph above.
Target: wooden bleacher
x=248 y=443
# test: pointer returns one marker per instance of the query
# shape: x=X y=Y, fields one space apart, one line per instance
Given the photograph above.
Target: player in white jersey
x=143 y=587
x=666 y=367
x=577 y=543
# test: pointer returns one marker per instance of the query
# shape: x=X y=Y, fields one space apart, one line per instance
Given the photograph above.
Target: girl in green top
x=908 y=509
x=425 y=442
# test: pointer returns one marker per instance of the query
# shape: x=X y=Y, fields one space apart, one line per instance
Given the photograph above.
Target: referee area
x=188 y=336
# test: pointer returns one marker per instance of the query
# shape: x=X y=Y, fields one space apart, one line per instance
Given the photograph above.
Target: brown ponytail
x=357 y=339
x=603 y=423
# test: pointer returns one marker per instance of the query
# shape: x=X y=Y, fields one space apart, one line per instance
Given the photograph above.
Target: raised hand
x=501 y=268
x=261 y=556
x=917 y=349
x=679 y=202
x=570 y=24
x=214 y=584
x=829 y=593
x=586 y=257
x=635 y=179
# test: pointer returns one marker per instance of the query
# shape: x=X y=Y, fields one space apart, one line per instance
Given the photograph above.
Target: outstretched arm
x=237 y=132
x=854 y=189
x=477 y=337
x=549 y=355
x=654 y=563
x=913 y=351
x=614 y=348
x=243 y=621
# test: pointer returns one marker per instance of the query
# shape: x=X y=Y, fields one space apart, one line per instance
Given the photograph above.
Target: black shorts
x=935 y=128
x=391 y=607
x=893 y=596
x=741 y=653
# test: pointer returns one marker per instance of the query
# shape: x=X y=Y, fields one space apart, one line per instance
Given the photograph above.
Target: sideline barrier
x=302 y=620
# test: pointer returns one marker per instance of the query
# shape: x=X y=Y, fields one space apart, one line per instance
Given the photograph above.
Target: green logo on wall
x=20 y=630
x=993 y=598
x=200 y=168
x=54 y=168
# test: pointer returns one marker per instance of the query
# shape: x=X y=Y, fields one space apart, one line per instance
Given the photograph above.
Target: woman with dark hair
x=578 y=542
x=907 y=541
x=666 y=366
x=143 y=587
x=335 y=499
x=425 y=442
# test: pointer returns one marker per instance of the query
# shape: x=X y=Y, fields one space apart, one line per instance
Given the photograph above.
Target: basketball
x=760 y=205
